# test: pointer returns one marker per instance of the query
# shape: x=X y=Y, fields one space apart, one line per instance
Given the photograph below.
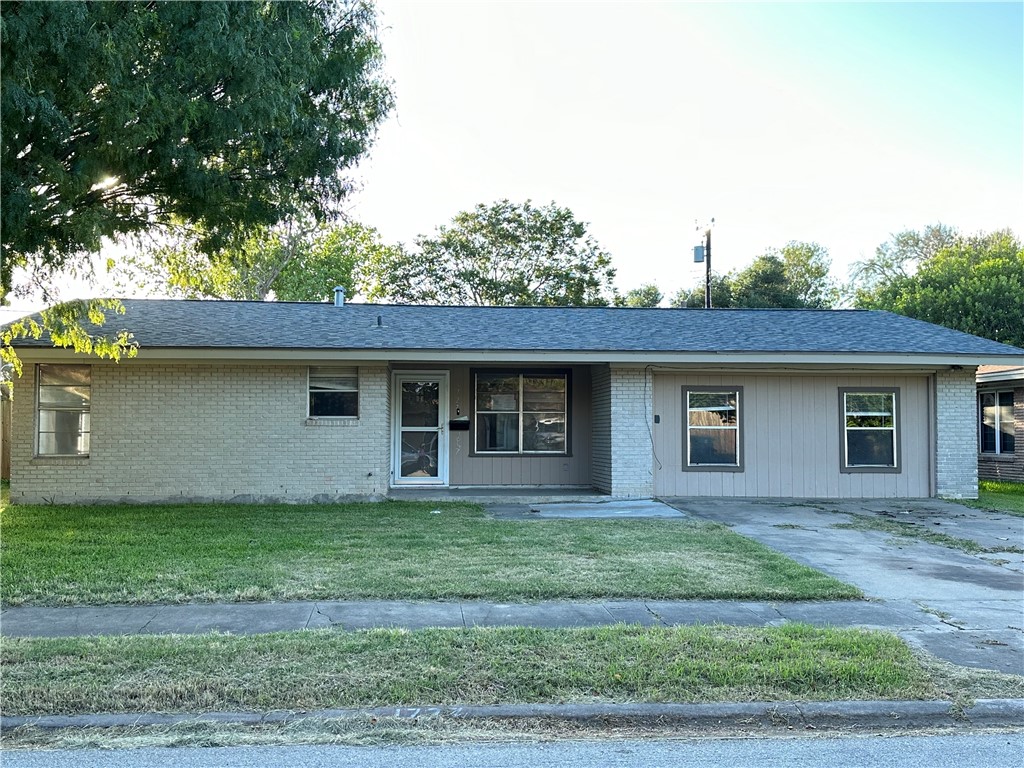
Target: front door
x=420 y=419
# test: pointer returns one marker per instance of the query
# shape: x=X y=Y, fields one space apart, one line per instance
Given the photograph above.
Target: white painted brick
x=631 y=462
x=215 y=431
x=956 y=464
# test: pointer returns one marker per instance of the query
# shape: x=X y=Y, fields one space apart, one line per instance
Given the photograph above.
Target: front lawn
x=999 y=497
x=64 y=555
x=328 y=669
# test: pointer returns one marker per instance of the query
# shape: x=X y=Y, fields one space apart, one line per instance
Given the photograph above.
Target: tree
x=898 y=257
x=794 y=276
x=121 y=117
x=765 y=284
x=646 y=296
x=721 y=293
x=505 y=254
x=295 y=261
x=333 y=260
x=806 y=267
x=974 y=284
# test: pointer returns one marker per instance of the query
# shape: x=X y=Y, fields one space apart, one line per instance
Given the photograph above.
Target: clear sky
x=837 y=123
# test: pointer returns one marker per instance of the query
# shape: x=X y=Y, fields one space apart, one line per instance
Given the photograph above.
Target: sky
x=828 y=122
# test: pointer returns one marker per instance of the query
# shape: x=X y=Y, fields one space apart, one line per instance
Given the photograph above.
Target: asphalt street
x=964 y=751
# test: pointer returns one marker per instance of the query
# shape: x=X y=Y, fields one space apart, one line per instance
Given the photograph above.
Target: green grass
x=64 y=555
x=999 y=497
x=911 y=531
x=326 y=669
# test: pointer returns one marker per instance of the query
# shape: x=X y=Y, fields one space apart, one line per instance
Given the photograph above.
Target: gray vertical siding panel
x=791 y=436
x=601 y=428
x=787 y=475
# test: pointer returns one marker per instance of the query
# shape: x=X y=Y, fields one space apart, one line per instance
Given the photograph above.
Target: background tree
x=646 y=296
x=503 y=254
x=973 y=284
x=693 y=298
x=795 y=276
x=764 y=284
x=898 y=257
x=119 y=117
x=298 y=260
x=806 y=268
x=334 y=259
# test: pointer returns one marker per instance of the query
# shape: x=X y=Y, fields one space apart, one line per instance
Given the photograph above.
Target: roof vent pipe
x=339 y=296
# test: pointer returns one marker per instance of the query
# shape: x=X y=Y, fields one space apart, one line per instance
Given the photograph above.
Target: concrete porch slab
x=501 y=494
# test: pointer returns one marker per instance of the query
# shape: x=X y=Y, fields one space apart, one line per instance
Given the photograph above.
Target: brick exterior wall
x=631 y=418
x=207 y=432
x=956 y=434
x=1008 y=467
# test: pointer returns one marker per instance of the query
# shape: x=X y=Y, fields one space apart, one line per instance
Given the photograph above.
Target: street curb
x=830 y=714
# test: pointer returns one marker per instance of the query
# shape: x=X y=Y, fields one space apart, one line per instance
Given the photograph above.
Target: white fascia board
x=620 y=359
x=1012 y=374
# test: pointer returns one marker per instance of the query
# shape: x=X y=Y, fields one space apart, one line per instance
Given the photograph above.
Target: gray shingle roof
x=312 y=326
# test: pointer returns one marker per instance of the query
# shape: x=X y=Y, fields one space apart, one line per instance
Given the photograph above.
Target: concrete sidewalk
x=254 y=618
x=902 y=617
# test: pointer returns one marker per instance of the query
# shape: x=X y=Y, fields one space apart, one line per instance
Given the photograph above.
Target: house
x=1001 y=422
x=252 y=401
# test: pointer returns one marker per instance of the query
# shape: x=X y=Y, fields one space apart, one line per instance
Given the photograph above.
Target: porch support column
x=632 y=473
x=956 y=434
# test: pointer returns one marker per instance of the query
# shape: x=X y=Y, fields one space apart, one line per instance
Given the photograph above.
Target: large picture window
x=522 y=412
x=870 y=430
x=997 y=424
x=712 y=430
x=333 y=392
x=63 y=396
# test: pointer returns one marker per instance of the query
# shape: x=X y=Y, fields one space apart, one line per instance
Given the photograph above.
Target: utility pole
x=703 y=253
x=707 y=267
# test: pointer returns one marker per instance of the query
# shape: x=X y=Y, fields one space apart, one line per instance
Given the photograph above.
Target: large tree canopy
x=504 y=254
x=118 y=116
x=973 y=284
x=121 y=116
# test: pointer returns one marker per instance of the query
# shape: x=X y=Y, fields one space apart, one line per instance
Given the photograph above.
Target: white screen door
x=420 y=427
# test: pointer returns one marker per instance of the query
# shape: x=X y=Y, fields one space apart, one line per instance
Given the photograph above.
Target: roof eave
x=626 y=358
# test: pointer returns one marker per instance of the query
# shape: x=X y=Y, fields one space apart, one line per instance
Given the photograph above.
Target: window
x=522 y=412
x=712 y=430
x=63 y=396
x=333 y=392
x=870 y=436
x=997 y=425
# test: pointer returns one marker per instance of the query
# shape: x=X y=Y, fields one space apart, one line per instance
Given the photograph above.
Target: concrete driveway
x=965 y=608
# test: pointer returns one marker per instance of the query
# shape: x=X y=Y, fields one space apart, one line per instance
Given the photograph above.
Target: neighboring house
x=1001 y=422
x=302 y=401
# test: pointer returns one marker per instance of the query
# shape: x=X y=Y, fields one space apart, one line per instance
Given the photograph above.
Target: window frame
x=897 y=455
x=565 y=373
x=349 y=369
x=37 y=451
x=997 y=423
x=739 y=466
